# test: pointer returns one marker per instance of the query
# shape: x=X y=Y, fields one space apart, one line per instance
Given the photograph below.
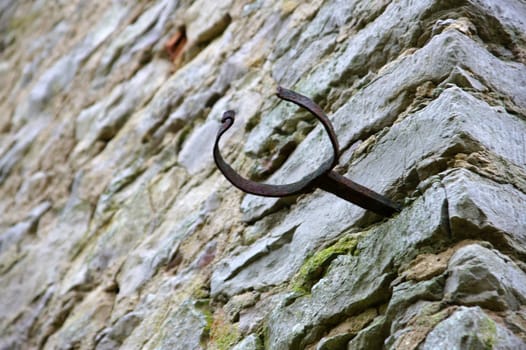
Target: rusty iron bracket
x=324 y=177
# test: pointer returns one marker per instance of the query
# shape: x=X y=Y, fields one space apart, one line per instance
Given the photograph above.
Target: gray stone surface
x=117 y=230
x=481 y=208
x=201 y=27
x=409 y=299
x=375 y=171
x=195 y=154
x=480 y=276
x=370 y=337
x=184 y=328
x=18 y=146
x=71 y=229
x=360 y=53
x=101 y=121
x=252 y=342
x=113 y=337
x=57 y=78
x=354 y=283
x=450 y=49
x=471 y=328
x=458 y=105
x=136 y=37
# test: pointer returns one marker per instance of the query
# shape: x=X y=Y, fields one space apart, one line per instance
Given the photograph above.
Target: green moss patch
x=315 y=266
x=223 y=335
x=488 y=333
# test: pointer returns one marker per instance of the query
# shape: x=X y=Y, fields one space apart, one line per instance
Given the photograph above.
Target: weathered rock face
x=117 y=231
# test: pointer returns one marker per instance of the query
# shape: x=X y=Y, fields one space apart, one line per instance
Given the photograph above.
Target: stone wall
x=118 y=231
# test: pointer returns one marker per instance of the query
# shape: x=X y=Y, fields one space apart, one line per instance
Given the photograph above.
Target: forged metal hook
x=324 y=177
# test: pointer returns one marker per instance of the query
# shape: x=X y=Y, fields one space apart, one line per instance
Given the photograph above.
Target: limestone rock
x=252 y=342
x=470 y=327
x=485 y=205
x=202 y=28
x=355 y=283
x=370 y=337
x=118 y=231
x=480 y=276
x=184 y=328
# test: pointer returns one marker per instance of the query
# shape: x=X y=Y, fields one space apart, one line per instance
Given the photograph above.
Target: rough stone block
x=461 y=129
x=252 y=342
x=206 y=25
x=184 y=328
x=354 y=283
x=484 y=277
x=471 y=328
x=101 y=121
x=379 y=103
x=138 y=242
x=483 y=209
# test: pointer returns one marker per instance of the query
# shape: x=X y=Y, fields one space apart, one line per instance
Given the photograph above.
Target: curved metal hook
x=308 y=104
x=267 y=190
x=324 y=178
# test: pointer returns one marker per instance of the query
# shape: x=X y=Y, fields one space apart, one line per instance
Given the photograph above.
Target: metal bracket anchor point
x=324 y=177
